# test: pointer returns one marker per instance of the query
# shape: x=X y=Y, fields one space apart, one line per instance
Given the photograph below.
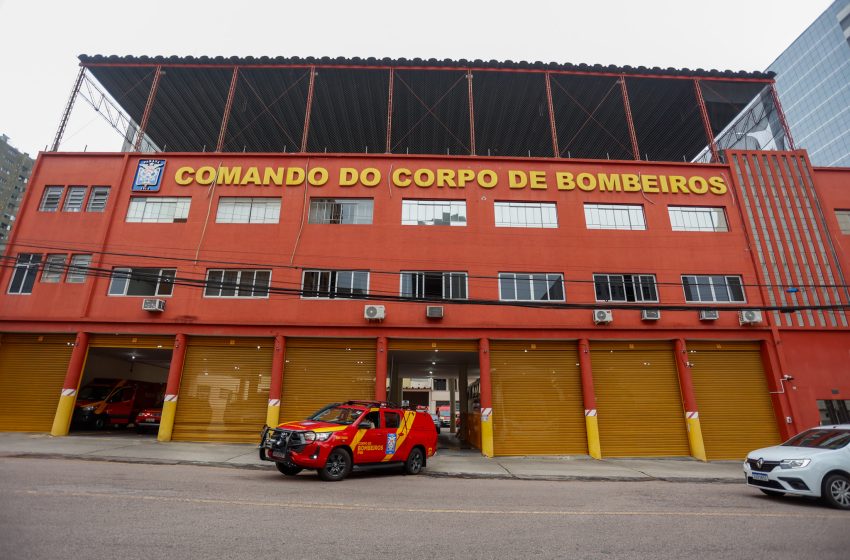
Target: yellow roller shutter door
x=224 y=390
x=537 y=401
x=320 y=371
x=32 y=370
x=735 y=409
x=638 y=400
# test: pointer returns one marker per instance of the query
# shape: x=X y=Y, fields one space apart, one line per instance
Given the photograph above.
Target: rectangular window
x=79 y=269
x=334 y=283
x=26 y=269
x=54 y=267
x=97 y=199
x=74 y=199
x=50 y=199
x=713 y=289
x=433 y=285
x=834 y=412
x=341 y=211
x=159 y=209
x=440 y=385
x=238 y=283
x=614 y=216
x=433 y=213
x=243 y=210
x=519 y=286
x=142 y=281
x=843 y=217
x=625 y=287
x=526 y=214
x=697 y=218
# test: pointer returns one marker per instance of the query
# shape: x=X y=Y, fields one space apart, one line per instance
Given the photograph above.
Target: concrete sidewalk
x=460 y=463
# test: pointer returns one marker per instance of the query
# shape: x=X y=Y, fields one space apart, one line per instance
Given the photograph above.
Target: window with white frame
x=614 y=216
x=78 y=270
x=697 y=218
x=625 y=287
x=54 y=268
x=142 y=281
x=526 y=214
x=525 y=286
x=843 y=217
x=324 y=284
x=26 y=269
x=245 y=210
x=50 y=199
x=433 y=212
x=341 y=210
x=713 y=289
x=97 y=199
x=229 y=283
x=74 y=199
x=159 y=209
x=433 y=285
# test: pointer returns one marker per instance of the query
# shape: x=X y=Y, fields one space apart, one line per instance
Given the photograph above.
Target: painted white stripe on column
x=485 y=413
x=694 y=415
x=590 y=412
x=68 y=392
x=170 y=398
x=274 y=402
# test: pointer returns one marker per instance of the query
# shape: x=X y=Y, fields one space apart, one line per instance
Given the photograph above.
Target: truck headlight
x=309 y=436
x=88 y=409
x=794 y=463
x=324 y=436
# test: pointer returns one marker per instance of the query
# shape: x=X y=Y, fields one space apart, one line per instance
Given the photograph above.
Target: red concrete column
x=486 y=397
x=278 y=361
x=175 y=373
x=591 y=422
x=686 y=384
x=381 y=369
x=65 y=408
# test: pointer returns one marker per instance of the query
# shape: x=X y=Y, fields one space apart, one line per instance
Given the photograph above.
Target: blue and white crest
x=149 y=175
x=391 y=443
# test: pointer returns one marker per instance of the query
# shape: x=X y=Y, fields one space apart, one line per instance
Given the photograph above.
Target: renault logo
x=760 y=462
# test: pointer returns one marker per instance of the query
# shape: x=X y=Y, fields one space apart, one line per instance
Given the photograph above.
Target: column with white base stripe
x=594 y=449
x=68 y=397
x=172 y=388
x=273 y=412
x=686 y=383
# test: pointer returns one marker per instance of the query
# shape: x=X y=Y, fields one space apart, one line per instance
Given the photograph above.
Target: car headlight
x=324 y=436
x=794 y=463
x=88 y=409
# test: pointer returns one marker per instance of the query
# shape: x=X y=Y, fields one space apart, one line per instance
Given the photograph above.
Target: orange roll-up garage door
x=638 y=400
x=537 y=401
x=224 y=389
x=32 y=370
x=319 y=371
x=735 y=410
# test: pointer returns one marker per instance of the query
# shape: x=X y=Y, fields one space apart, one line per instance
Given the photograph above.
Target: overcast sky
x=42 y=39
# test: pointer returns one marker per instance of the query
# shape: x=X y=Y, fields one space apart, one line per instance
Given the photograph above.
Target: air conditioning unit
x=156 y=305
x=602 y=316
x=709 y=315
x=434 y=311
x=650 y=314
x=749 y=316
x=374 y=312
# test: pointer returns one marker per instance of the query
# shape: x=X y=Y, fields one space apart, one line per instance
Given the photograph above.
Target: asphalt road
x=60 y=508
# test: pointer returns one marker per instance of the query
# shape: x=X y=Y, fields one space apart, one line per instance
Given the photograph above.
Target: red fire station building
x=603 y=263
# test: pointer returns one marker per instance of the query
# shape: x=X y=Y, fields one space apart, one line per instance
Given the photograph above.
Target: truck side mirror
x=366 y=425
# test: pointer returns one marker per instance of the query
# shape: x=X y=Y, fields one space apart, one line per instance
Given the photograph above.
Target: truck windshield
x=337 y=415
x=96 y=393
x=821 y=438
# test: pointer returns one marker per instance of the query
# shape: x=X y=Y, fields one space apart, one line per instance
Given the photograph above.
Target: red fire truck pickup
x=354 y=433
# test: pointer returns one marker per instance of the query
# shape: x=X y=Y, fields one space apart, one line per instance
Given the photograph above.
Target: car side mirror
x=366 y=425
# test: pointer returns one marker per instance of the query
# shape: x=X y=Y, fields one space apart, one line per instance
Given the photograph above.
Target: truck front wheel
x=336 y=467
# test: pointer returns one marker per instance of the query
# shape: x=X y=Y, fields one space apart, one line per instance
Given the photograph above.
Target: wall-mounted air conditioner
x=749 y=316
x=155 y=305
x=603 y=316
x=709 y=315
x=434 y=311
x=374 y=312
x=650 y=314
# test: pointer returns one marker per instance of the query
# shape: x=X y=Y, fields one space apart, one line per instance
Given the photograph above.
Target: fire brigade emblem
x=391 y=443
x=149 y=175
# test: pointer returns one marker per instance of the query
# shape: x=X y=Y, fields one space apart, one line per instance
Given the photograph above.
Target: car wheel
x=414 y=462
x=336 y=467
x=99 y=423
x=772 y=493
x=836 y=491
x=288 y=469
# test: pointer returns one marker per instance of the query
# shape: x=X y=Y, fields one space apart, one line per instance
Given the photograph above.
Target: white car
x=813 y=463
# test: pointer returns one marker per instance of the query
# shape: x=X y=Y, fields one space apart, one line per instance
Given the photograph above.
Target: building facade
x=15 y=168
x=610 y=307
x=813 y=81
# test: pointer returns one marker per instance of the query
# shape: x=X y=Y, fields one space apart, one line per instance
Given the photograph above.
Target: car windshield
x=95 y=393
x=337 y=415
x=821 y=438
